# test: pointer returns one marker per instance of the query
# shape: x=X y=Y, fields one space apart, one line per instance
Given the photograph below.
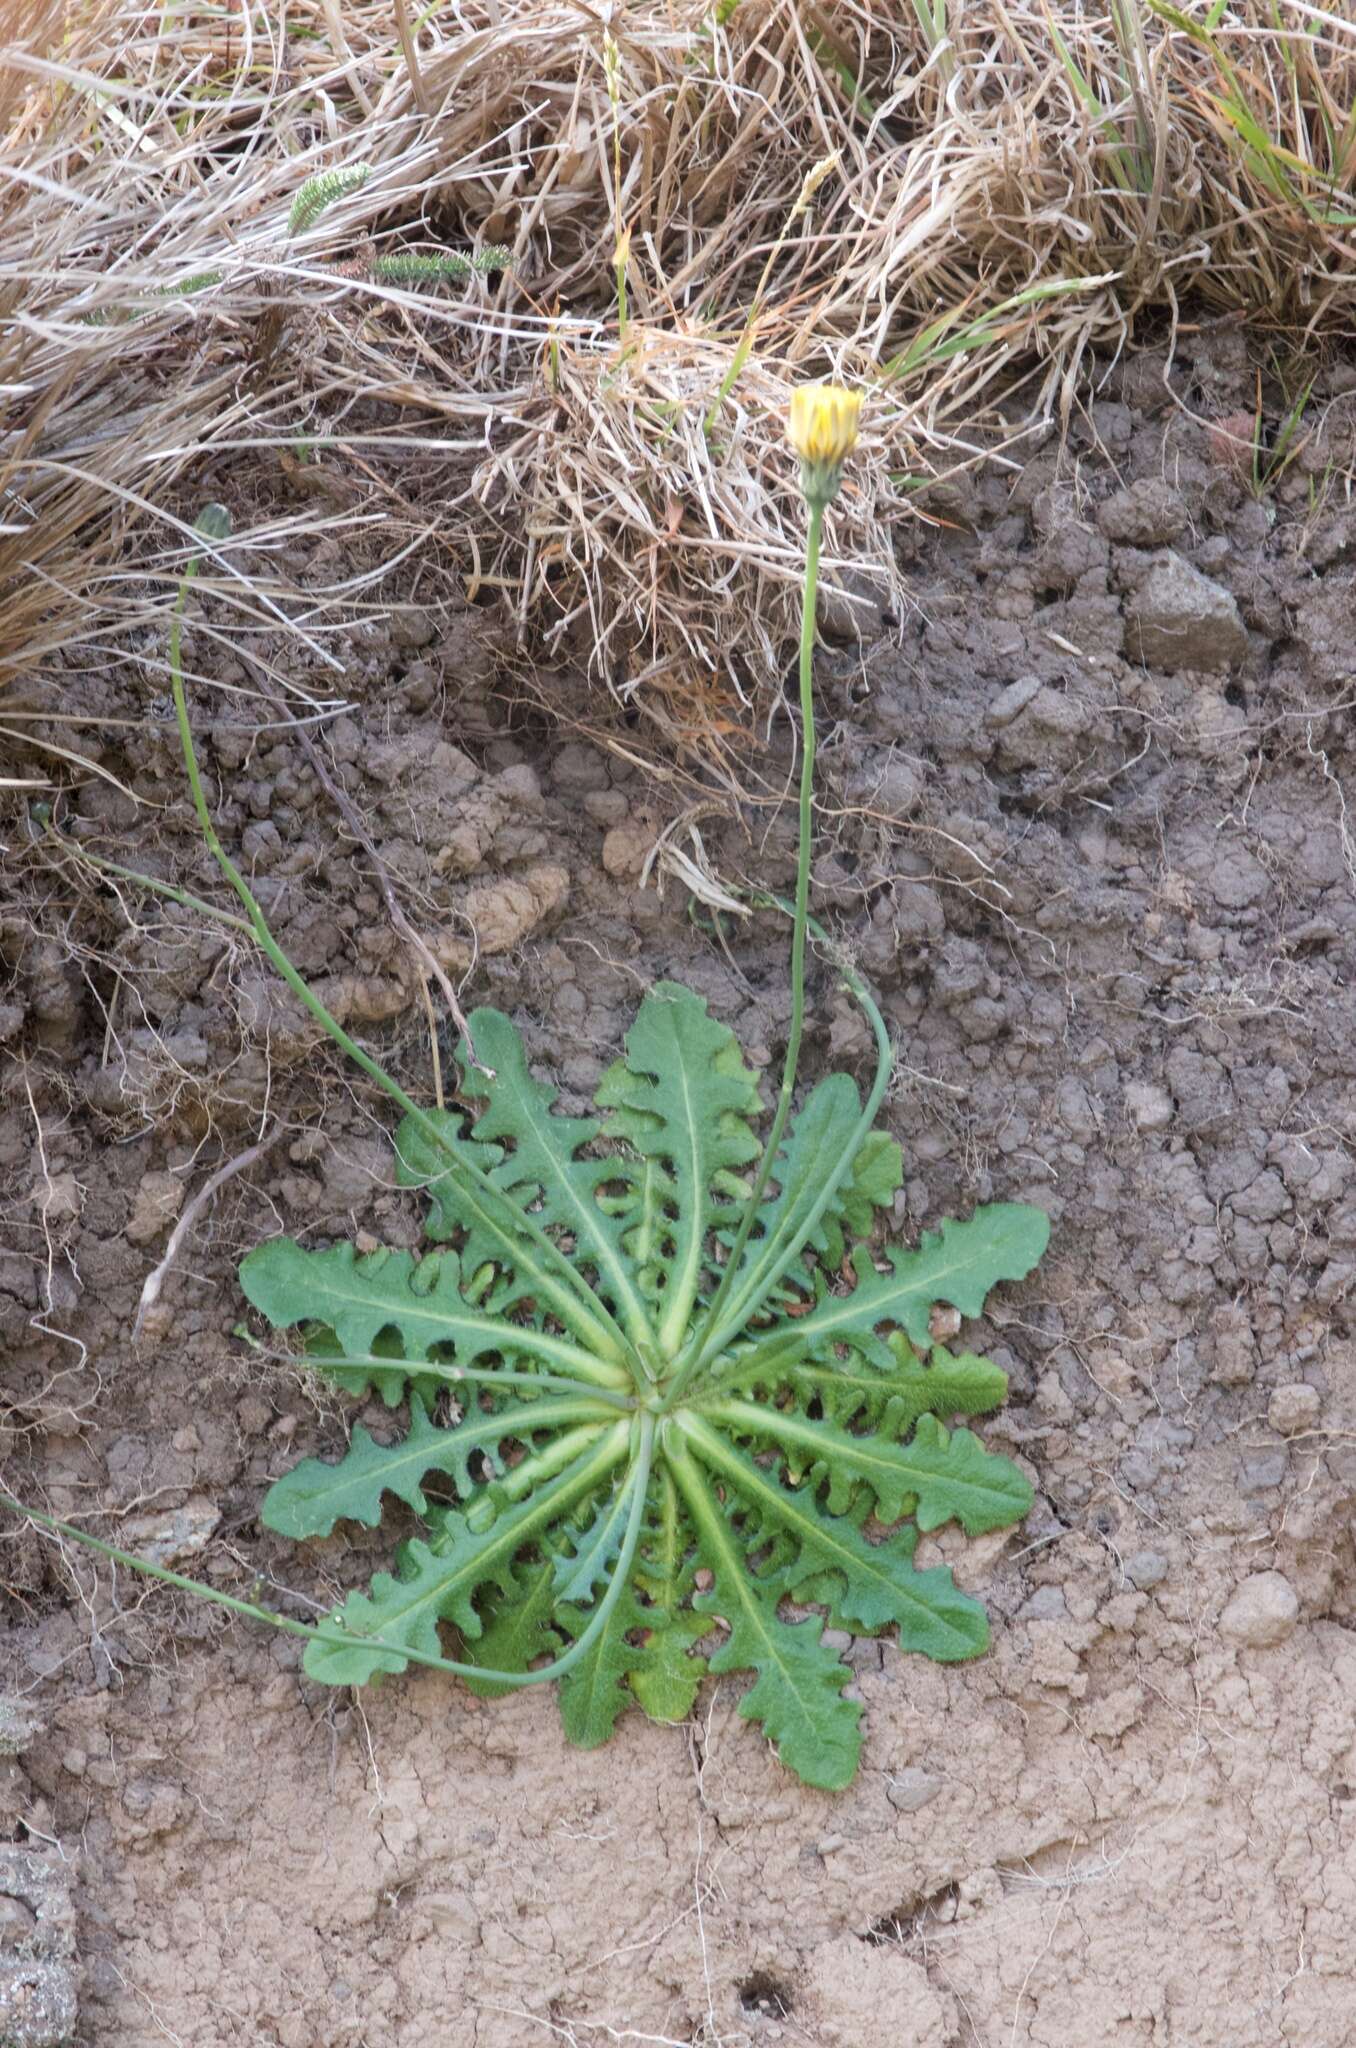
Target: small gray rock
x=1146 y=1568
x=1147 y=514
x=1138 y=1471
x=1262 y=1612
x=916 y=914
x=37 y=1952
x=159 y=1199
x=1179 y=619
x=1294 y=1409
x=20 y=1724
x=1010 y=702
x=901 y=787
x=412 y=629
x=852 y=607
x=1047 y=1603
x=1150 y=1106
x=1260 y=1475
x=910 y=1789
x=175 y=1533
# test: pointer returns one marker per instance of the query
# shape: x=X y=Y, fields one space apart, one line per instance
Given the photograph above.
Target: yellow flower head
x=822 y=428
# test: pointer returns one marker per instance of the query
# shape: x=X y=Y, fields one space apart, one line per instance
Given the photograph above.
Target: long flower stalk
x=822 y=430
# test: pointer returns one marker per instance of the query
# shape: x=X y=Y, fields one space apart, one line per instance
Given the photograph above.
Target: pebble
x=1150 y=1107
x=159 y=1199
x=1262 y=1613
x=174 y=1533
x=1259 y=1475
x=910 y=1789
x=1293 y=1409
x=1179 y=619
x=627 y=847
x=607 y=807
x=1010 y=702
x=1145 y=514
x=1145 y=1568
x=1047 y=1603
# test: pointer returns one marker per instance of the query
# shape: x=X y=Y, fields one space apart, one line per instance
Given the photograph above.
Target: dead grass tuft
x=1014 y=186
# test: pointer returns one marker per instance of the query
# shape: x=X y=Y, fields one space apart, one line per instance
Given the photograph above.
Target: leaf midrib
x=442 y=1323
x=870 y=1455
x=591 y=1223
x=674 y=1324
x=834 y=1554
x=733 y=1582
x=508 y=1534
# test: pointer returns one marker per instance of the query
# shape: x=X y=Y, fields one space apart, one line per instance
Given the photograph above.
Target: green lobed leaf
x=798 y=1692
x=598 y=1689
x=682 y=1098
x=821 y=1188
x=644 y=1650
x=665 y=1681
x=591 y=1555
x=544 y=1166
x=939 y=1476
x=480 y=1193
x=958 y=1264
x=877 y=1176
x=363 y=1296
x=313 y=1496
x=816 y=1142
x=889 y=1398
x=873 y=1584
x=440 y=1581
x=422 y=1164
x=518 y=1626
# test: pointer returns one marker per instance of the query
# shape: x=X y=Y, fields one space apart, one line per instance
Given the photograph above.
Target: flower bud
x=822 y=428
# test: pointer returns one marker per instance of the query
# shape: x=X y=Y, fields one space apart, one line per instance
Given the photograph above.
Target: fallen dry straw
x=1009 y=188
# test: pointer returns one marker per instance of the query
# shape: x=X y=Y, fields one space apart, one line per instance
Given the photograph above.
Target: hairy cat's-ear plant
x=659 y=1381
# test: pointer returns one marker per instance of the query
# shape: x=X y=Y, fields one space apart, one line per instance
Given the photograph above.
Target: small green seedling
x=1270 y=462
x=671 y=1401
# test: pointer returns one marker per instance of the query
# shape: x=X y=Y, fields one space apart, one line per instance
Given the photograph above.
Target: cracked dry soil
x=1087 y=821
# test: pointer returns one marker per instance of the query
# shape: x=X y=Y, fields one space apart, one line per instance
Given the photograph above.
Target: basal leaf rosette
x=613 y=1439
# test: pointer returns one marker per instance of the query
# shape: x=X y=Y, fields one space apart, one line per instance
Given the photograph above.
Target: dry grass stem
x=1013 y=186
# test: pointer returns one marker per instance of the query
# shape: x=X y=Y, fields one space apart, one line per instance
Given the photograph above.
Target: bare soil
x=1088 y=821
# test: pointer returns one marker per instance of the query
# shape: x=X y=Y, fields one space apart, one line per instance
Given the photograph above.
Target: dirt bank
x=1086 y=823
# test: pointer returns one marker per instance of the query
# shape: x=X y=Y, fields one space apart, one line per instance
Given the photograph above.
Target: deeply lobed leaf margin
x=775 y=1478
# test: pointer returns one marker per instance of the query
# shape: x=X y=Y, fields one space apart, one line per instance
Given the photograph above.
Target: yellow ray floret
x=822 y=428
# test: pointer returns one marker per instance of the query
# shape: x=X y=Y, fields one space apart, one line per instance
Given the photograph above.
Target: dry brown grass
x=1034 y=179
